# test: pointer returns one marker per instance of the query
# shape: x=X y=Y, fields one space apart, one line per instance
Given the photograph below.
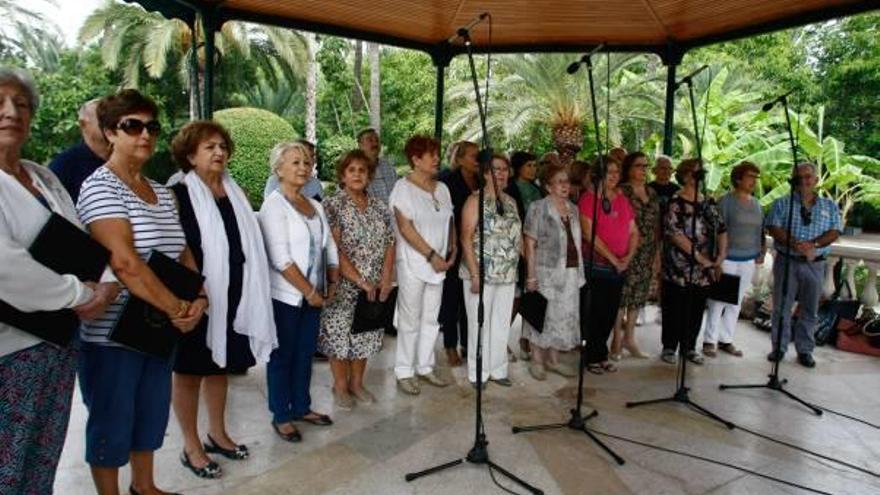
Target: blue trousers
x=289 y=372
x=805 y=285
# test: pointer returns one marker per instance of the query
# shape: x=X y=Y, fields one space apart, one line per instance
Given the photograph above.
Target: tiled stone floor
x=369 y=450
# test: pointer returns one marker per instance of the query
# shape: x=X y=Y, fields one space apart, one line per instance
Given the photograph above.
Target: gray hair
x=84 y=109
x=22 y=79
x=662 y=157
x=811 y=166
x=277 y=153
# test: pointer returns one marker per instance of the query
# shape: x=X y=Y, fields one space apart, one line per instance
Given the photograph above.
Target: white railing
x=863 y=249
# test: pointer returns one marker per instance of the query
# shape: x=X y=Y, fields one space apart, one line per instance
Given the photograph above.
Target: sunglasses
x=806 y=216
x=135 y=127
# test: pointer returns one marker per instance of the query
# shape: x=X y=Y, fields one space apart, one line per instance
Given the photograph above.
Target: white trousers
x=497 y=305
x=721 y=317
x=418 y=305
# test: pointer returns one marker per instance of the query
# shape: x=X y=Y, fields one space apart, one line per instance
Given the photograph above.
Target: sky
x=68 y=15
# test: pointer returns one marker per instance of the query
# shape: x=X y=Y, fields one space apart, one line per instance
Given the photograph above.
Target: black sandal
x=320 y=420
x=239 y=453
x=292 y=437
x=210 y=471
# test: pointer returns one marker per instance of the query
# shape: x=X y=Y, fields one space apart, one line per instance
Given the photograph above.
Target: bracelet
x=430 y=255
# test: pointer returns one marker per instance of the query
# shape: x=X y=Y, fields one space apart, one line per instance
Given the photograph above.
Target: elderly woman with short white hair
x=304 y=271
x=36 y=378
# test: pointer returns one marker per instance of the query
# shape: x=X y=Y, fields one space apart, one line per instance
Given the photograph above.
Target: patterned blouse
x=364 y=235
x=679 y=220
x=503 y=242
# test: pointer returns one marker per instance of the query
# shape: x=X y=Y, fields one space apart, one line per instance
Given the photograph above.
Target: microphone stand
x=774 y=382
x=681 y=394
x=479 y=453
x=577 y=421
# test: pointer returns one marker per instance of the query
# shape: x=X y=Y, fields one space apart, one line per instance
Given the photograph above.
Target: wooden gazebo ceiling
x=535 y=25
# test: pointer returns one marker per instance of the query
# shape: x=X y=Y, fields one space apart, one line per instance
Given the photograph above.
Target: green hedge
x=255 y=132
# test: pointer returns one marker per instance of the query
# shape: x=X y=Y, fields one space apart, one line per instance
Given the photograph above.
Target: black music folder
x=533 y=308
x=64 y=248
x=376 y=315
x=147 y=329
x=726 y=289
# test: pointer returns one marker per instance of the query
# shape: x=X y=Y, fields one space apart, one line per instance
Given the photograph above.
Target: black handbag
x=830 y=313
x=373 y=315
x=726 y=289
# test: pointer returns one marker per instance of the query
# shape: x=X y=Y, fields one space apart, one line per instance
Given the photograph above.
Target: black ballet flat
x=319 y=420
x=240 y=452
x=210 y=471
x=292 y=437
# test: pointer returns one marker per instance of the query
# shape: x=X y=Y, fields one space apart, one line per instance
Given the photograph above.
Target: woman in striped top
x=126 y=392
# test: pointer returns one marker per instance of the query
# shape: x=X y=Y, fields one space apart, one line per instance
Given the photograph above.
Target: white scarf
x=254 y=317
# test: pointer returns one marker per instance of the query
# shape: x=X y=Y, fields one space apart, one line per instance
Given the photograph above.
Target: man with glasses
x=815 y=225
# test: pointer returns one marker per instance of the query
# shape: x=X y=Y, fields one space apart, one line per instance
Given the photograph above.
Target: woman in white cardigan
x=304 y=263
x=36 y=378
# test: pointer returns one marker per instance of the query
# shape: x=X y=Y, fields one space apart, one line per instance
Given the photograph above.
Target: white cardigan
x=24 y=283
x=287 y=242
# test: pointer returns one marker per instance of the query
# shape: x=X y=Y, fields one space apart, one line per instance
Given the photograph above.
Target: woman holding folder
x=127 y=392
x=303 y=278
x=36 y=378
x=361 y=227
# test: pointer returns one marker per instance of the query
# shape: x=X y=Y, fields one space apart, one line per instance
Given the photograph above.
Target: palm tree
x=375 y=87
x=30 y=35
x=533 y=88
x=134 y=40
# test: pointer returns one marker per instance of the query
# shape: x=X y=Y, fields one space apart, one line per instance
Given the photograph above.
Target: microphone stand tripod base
x=774 y=383
x=577 y=423
x=682 y=396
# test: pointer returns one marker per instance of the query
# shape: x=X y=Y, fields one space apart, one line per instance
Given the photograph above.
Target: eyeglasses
x=806 y=216
x=135 y=127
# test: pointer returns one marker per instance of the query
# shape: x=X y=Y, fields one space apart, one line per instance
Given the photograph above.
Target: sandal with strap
x=596 y=368
x=317 y=419
x=209 y=471
x=239 y=453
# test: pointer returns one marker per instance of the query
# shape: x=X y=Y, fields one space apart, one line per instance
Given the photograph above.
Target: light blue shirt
x=824 y=216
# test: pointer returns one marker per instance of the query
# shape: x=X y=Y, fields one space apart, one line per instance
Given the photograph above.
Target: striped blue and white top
x=155 y=227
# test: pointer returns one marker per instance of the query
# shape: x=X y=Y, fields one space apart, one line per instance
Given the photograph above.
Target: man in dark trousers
x=75 y=164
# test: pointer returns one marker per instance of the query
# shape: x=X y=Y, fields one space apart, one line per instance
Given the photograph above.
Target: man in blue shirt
x=75 y=164
x=815 y=225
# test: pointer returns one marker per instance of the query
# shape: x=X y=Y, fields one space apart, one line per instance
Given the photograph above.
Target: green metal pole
x=209 y=24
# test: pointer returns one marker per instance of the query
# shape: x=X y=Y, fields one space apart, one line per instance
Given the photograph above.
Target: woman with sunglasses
x=426 y=249
x=503 y=241
x=696 y=246
x=637 y=284
x=226 y=242
x=554 y=268
x=746 y=248
x=128 y=393
x=616 y=239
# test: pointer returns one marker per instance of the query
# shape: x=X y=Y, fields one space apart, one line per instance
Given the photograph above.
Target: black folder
x=533 y=308
x=376 y=315
x=65 y=249
x=726 y=289
x=147 y=329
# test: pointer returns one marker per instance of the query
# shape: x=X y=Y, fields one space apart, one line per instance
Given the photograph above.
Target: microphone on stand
x=574 y=66
x=463 y=31
x=770 y=104
x=688 y=78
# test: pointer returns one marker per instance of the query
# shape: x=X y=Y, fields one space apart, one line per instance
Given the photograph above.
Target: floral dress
x=364 y=237
x=637 y=286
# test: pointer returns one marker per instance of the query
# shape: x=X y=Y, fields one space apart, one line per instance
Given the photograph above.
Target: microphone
x=574 y=66
x=688 y=78
x=767 y=106
x=462 y=32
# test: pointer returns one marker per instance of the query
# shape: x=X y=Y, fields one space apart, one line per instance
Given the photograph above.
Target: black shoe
x=775 y=356
x=806 y=360
x=291 y=437
x=239 y=453
x=504 y=382
x=209 y=471
x=320 y=356
x=391 y=331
